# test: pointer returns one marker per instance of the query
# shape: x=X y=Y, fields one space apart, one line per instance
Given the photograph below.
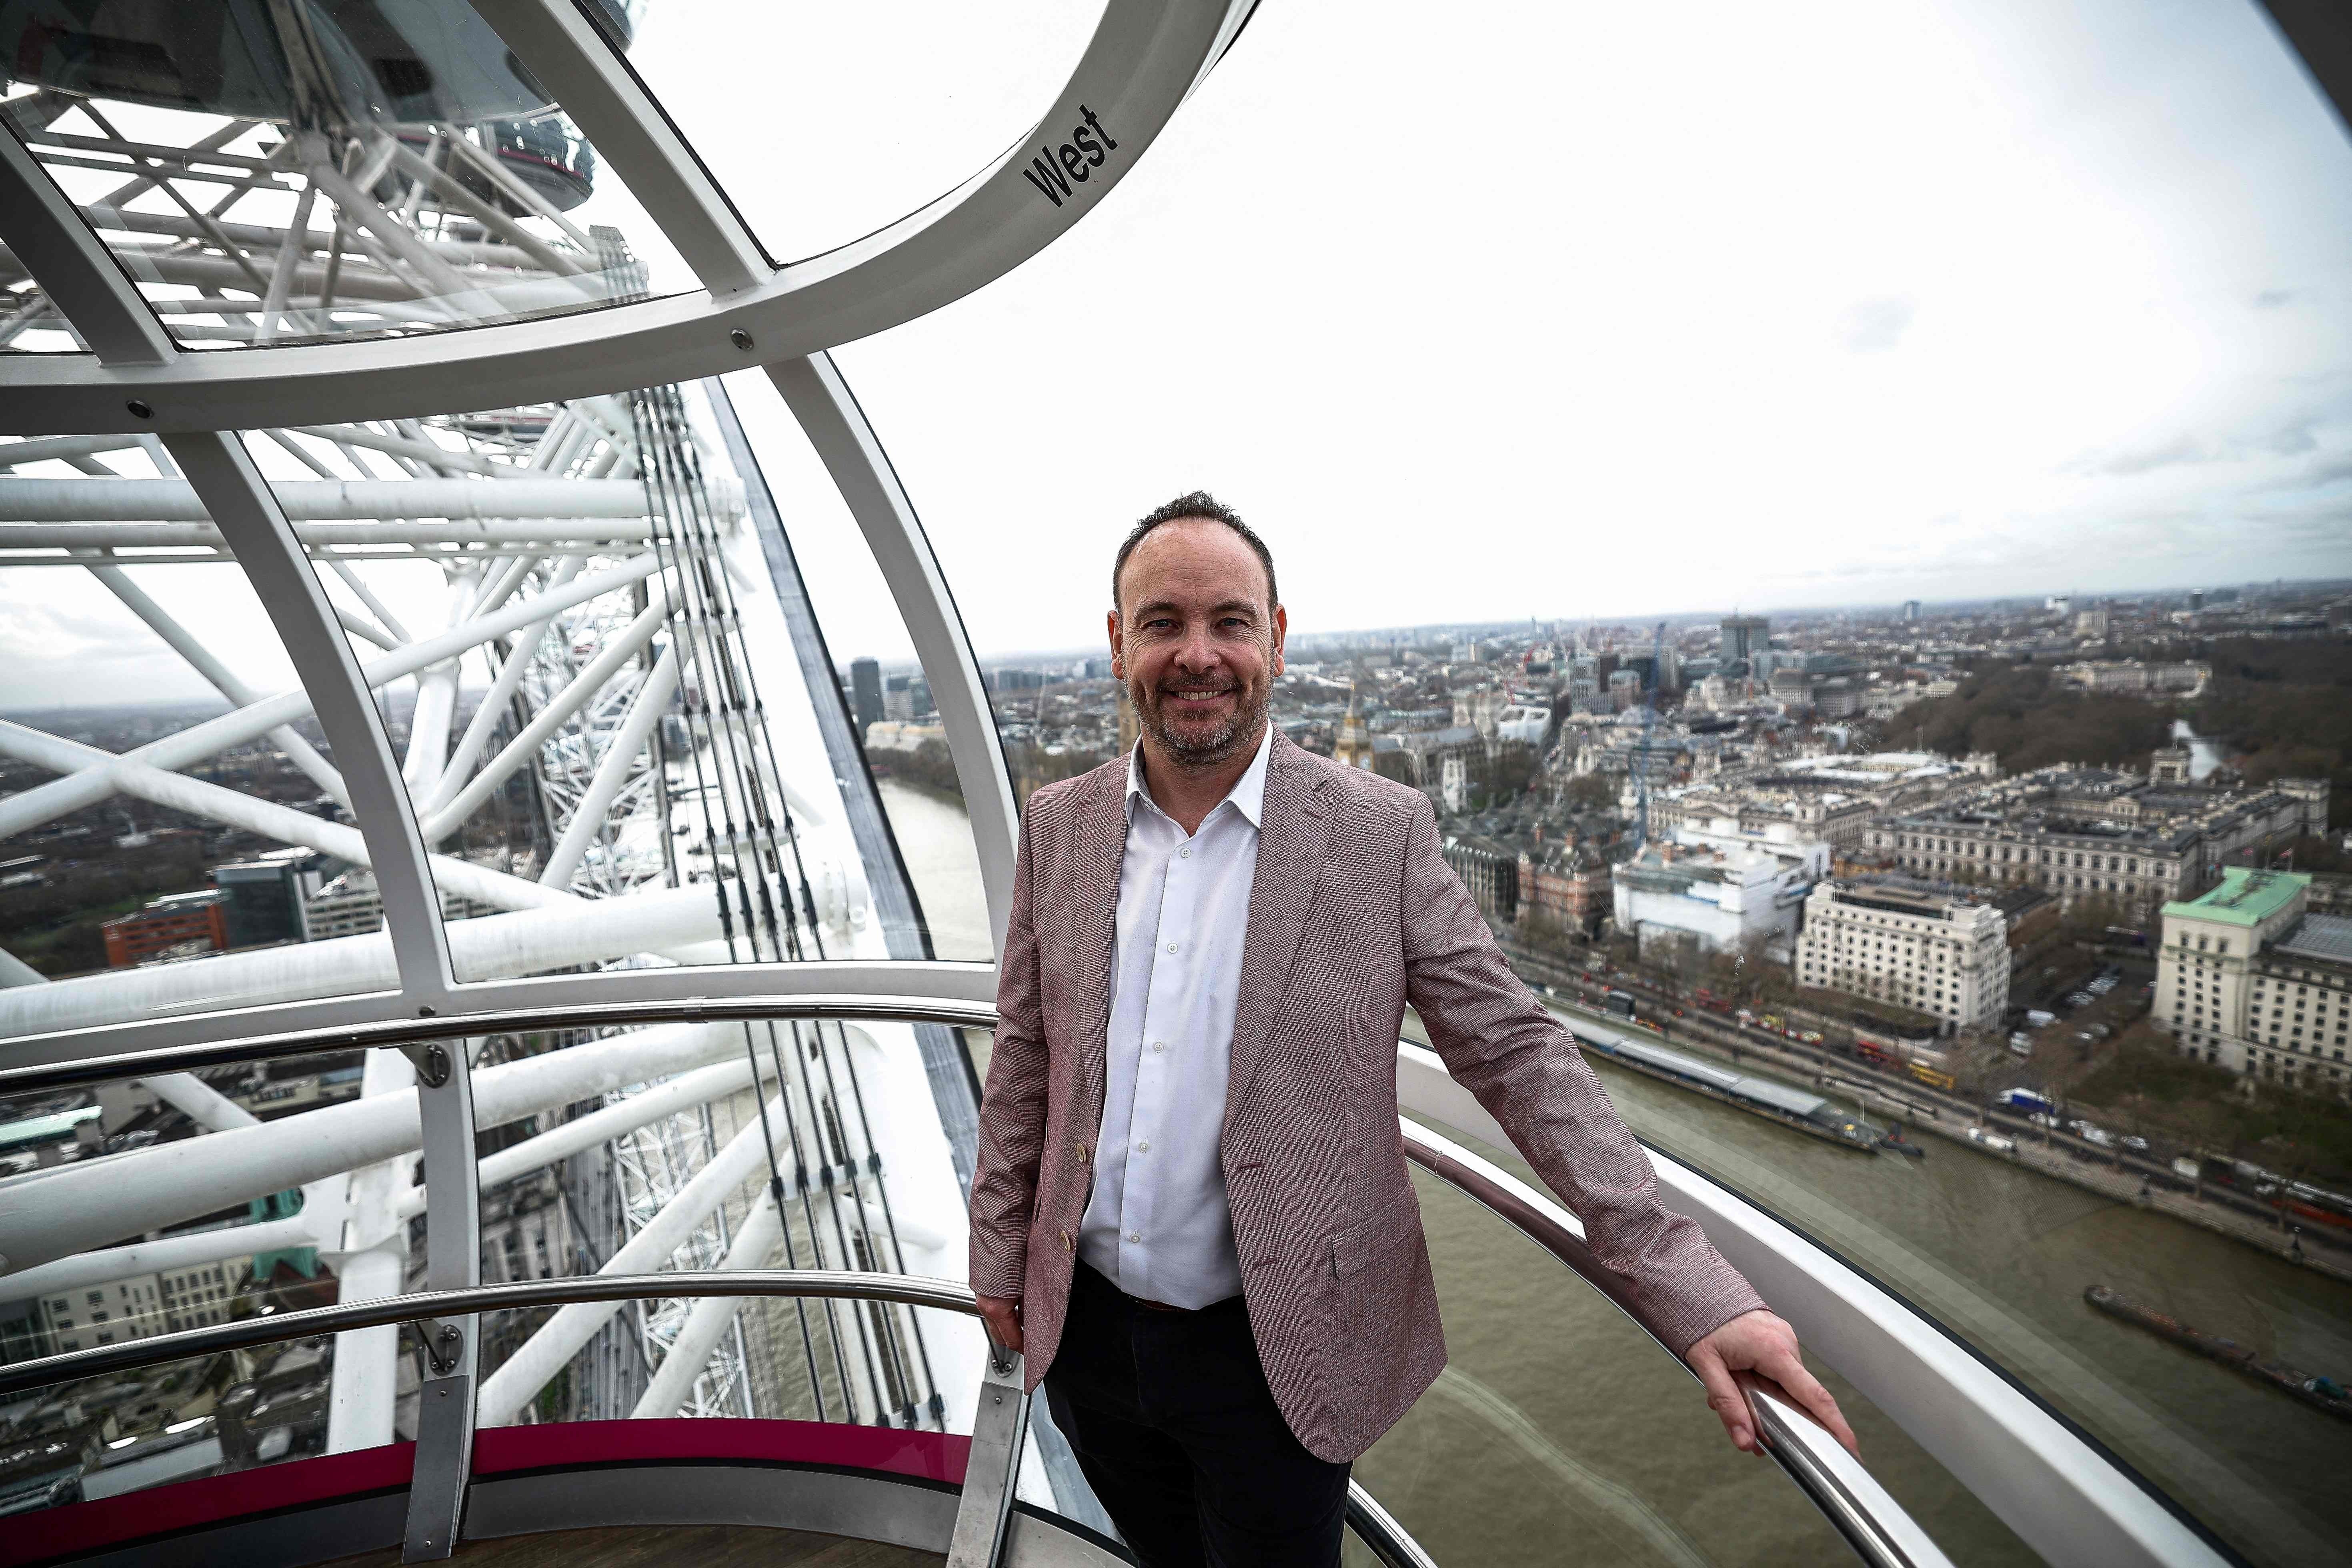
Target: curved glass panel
x=1558 y=1419
x=619 y=694
x=2002 y=1255
x=183 y=1200
x=1888 y=437
x=826 y=123
x=433 y=183
x=728 y=1146
x=173 y=806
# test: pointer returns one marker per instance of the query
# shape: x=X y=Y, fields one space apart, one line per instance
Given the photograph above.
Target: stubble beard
x=1244 y=729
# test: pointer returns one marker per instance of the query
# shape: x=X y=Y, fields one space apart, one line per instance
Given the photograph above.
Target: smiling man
x=1191 y=1208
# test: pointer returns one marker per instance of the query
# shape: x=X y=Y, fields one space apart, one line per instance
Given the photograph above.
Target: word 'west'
x=1055 y=170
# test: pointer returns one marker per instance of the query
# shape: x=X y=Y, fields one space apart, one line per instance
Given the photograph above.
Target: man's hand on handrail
x=1761 y=1343
x=1003 y=1317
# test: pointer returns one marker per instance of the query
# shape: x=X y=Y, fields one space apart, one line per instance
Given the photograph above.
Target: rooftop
x=2326 y=937
x=2244 y=898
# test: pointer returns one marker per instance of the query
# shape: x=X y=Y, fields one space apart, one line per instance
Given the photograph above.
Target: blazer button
x=1082 y=1154
x=1066 y=1241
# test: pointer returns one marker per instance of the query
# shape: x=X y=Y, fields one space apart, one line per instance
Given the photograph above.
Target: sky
x=1505 y=311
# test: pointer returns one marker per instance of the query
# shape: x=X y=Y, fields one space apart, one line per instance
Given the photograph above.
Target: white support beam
x=446 y=817
x=493 y=705
x=343 y=501
x=72 y=264
x=44 y=802
x=363 y=1385
x=837 y=427
x=108 y=1263
x=460 y=878
x=686 y=1091
x=541 y=1357
x=298 y=752
x=645 y=711
x=199 y=1102
x=1145 y=56
x=82 y=1207
x=220 y=471
x=761 y=1232
x=633 y=137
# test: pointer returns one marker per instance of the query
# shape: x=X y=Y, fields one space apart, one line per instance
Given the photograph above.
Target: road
x=2112 y=1172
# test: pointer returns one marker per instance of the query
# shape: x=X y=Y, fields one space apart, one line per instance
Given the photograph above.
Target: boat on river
x=2320 y=1393
x=1801 y=1109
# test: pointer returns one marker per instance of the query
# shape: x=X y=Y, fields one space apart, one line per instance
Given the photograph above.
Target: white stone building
x=1722 y=894
x=2250 y=979
x=1933 y=949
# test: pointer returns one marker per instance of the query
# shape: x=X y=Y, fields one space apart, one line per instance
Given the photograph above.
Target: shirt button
x=1146 y=1145
x=1132 y=1236
x=1183 y=854
x=1159 y=1044
x=1172 y=947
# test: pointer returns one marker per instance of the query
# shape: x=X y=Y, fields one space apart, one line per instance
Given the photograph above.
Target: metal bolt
x=425 y=1012
x=740 y=339
x=440 y=1394
x=1000 y=1399
x=140 y=408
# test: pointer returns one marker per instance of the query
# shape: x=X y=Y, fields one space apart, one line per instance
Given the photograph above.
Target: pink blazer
x=1354 y=914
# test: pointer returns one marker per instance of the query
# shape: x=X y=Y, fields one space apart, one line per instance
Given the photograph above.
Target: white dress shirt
x=1157 y=1224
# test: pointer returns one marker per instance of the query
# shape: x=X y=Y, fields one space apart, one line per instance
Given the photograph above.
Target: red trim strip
x=926 y=1456
x=79 y=1529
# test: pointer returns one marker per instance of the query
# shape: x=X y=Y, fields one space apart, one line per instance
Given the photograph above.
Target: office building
x=1938 y=949
x=864 y=692
x=2249 y=978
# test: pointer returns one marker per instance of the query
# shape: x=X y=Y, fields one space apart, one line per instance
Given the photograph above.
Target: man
x=1192 y=1207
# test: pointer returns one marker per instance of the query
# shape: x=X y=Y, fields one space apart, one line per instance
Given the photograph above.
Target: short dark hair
x=1198 y=504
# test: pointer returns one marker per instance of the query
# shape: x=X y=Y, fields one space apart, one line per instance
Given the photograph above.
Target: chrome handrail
x=984 y=1504
x=828 y=1006
x=1862 y=1511
x=1381 y=1533
x=910 y=1289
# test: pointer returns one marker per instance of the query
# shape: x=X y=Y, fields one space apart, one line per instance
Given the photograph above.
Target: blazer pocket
x=1358 y=1245
x=1338 y=934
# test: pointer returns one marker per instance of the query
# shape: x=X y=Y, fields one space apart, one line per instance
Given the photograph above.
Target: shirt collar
x=1247 y=795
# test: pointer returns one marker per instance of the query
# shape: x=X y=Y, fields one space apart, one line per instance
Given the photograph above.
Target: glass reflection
x=289 y=173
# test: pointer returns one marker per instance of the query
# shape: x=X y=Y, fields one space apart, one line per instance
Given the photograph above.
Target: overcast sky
x=1496 y=310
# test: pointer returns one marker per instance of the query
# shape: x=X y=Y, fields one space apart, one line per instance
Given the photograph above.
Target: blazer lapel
x=1101 y=845
x=1297 y=826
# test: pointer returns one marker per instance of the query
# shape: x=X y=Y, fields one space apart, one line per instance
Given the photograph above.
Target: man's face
x=1195 y=640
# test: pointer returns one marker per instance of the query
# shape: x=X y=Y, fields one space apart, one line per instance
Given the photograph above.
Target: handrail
x=847 y=1006
x=910 y=1289
x=984 y=1507
x=1836 y=1482
x=1381 y=1533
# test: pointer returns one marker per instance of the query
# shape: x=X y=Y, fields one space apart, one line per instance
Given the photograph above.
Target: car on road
x=2136 y=1143
x=2100 y=1136
x=2080 y=999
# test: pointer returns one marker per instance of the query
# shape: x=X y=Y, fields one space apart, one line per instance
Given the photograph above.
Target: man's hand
x=1003 y=1315
x=1760 y=1342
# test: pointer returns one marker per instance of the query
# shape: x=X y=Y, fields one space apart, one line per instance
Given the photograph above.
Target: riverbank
x=2033 y=1148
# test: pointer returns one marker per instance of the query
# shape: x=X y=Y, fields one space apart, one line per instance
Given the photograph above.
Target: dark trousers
x=1173 y=1423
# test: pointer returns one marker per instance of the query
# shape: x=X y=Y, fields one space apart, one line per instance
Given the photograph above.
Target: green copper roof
x=2244 y=898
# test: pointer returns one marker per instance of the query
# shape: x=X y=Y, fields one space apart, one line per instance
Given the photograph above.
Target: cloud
x=2273 y=299
x=1874 y=326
